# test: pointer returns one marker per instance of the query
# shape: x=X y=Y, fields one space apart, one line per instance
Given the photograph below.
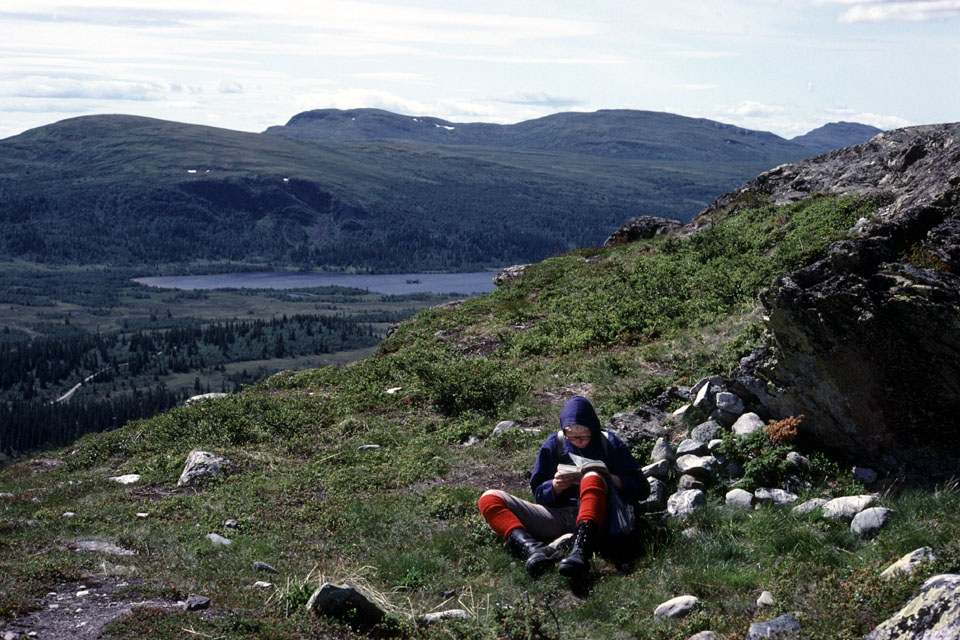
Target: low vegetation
x=400 y=520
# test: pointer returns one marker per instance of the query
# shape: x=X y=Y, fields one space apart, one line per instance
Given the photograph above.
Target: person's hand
x=563 y=481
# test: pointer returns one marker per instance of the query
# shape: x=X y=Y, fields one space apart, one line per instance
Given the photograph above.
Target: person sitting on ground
x=566 y=502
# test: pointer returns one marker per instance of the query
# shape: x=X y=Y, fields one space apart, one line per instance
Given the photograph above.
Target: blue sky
x=785 y=66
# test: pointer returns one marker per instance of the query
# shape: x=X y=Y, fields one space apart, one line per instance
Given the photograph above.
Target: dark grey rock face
x=865 y=342
x=640 y=228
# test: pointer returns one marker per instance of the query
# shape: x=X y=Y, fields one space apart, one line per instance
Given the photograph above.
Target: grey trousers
x=543 y=523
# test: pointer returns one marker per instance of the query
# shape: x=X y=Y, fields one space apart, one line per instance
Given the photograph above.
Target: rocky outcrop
x=641 y=228
x=933 y=614
x=865 y=342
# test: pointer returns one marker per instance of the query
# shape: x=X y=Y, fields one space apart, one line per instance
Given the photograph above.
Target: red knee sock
x=494 y=510
x=593 y=500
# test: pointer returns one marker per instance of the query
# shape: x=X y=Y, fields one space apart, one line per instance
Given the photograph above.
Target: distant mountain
x=643 y=135
x=836 y=135
x=362 y=189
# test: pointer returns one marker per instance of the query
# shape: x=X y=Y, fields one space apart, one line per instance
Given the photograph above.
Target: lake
x=393 y=283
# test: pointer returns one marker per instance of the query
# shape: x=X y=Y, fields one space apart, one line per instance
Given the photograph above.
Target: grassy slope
x=616 y=324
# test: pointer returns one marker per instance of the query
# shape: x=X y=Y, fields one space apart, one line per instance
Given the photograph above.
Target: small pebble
x=85 y=592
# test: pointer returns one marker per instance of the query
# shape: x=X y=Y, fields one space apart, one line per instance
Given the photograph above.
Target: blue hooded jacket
x=618 y=459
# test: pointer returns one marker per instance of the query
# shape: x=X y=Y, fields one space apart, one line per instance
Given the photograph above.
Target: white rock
x=218 y=540
x=662 y=451
x=765 y=599
x=869 y=521
x=728 y=403
x=262 y=584
x=459 y=614
x=143 y=514
x=505 y=425
x=101 y=546
x=809 y=506
x=704 y=635
x=203 y=397
x=83 y=592
x=659 y=470
x=202 y=465
x=129 y=478
x=683 y=503
x=393 y=390
x=747 y=424
x=775 y=496
x=908 y=563
x=676 y=607
x=700 y=467
x=682 y=411
x=740 y=499
x=846 y=507
x=68 y=515
x=712 y=446
x=368 y=447
x=704 y=398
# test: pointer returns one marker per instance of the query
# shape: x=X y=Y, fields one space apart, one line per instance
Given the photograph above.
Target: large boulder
x=933 y=614
x=865 y=340
x=201 y=466
x=641 y=228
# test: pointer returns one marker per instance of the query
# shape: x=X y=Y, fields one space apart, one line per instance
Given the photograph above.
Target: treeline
x=27 y=426
x=109 y=367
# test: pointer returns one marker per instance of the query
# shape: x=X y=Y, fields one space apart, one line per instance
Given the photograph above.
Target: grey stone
x=510 y=273
x=747 y=424
x=457 y=614
x=797 y=461
x=865 y=475
x=641 y=228
x=704 y=635
x=129 y=478
x=657 y=500
x=202 y=465
x=908 y=563
x=934 y=614
x=785 y=627
x=705 y=397
x=231 y=523
x=691 y=447
x=869 y=521
x=662 y=451
x=774 y=496
x=706 y=431
x=724 y=418
x=102 y=546
x=676 y=607
x=716 y=381
x=701 y=467
x=505 y=425
x=728 y=403
x=846 y=507
x=682 y=412
x=683 y=503
x=639 y=426
x=344 y=602
x=196 y=603
x=808 y=507
x=687 y=481
x=740 y=499
x=659 y=470
x=263 y=566
x=203 y=397
x=218 y=540
x=714 y=444
x=765 y=600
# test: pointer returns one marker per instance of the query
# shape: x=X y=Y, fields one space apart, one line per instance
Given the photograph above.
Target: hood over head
x=578 y=410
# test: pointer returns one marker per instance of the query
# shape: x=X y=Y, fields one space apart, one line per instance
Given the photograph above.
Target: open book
x=582 y=465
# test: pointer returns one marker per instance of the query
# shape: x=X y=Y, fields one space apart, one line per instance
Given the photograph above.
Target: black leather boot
x=538 y=556
x=577 y=564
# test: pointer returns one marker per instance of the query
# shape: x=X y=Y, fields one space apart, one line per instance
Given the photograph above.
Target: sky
x=786 y=66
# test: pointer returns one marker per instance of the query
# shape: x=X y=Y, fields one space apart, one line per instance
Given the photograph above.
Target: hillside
x=137 y=192
x=369 y=474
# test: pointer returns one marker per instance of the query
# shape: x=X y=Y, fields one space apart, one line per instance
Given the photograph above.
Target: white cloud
x=696 y=87
x=230 y=86
x=752 y=109
x=354 y=98
x=391 y=76
x=865 y=117
x=895 y=10
x=69 y=88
